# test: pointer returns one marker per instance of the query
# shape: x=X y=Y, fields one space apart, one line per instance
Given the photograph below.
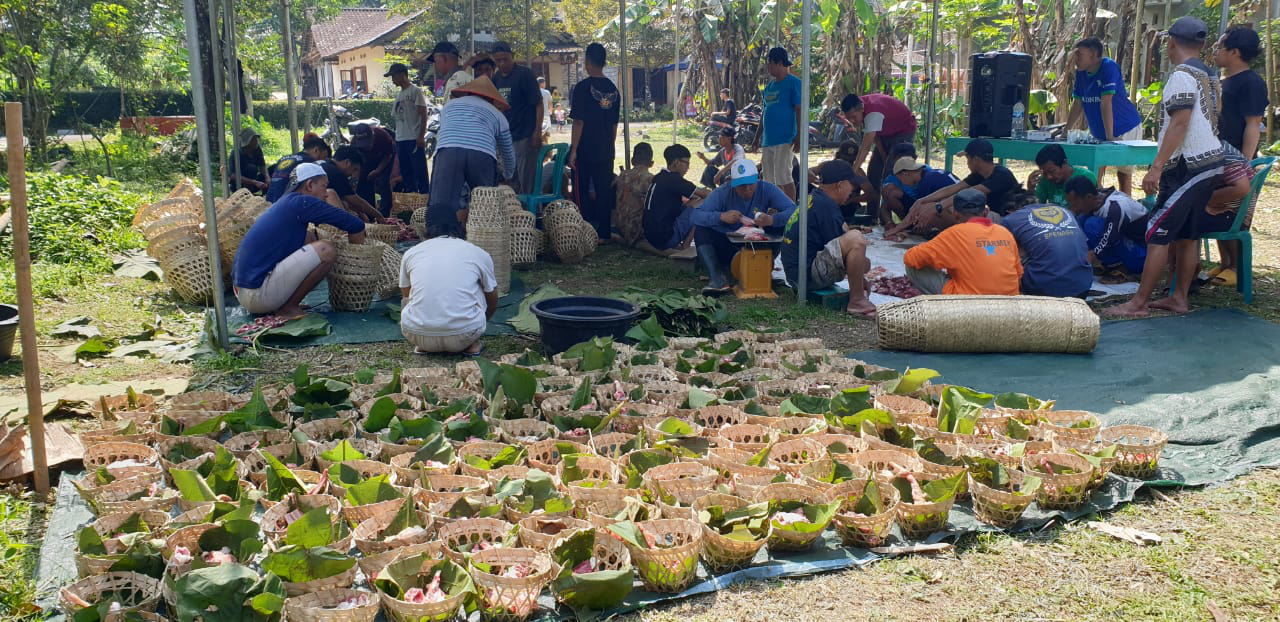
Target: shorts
x=281 y=282
x=443 y=343
x=1133 y=134
x=775 y=165
x=680 y=229
x=827 y=268
x=1183 y=195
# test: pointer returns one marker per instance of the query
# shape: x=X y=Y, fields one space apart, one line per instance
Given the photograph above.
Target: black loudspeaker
x=997 y=81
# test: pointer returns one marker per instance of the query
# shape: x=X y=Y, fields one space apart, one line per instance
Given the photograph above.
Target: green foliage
x=77 y=221
x=678 y=312
x=236 y=593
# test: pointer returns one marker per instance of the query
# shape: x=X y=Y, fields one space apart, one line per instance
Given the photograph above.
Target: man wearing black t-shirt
x=518 y=85
x=993 y=180
x=594 y=109
x=668 y=209
x=341 y=169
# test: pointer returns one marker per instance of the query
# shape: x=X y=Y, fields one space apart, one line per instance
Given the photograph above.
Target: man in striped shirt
x=474 y=136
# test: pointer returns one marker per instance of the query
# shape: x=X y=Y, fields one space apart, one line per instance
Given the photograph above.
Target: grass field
x=1217 y=561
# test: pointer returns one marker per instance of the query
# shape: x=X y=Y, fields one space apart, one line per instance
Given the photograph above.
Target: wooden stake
x=1271 y=70
x=17 y=157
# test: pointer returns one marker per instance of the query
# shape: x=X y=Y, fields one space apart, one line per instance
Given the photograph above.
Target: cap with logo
x=302 y=172
x=444 y=47
x=906 y=163
x=744 y=173
x=778 y=55
x=1188 y=29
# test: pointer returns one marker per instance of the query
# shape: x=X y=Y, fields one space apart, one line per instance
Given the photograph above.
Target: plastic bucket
x=8 y=329
x=573 y=319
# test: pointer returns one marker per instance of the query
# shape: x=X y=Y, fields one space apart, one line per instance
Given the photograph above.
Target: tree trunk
x=1028 y=43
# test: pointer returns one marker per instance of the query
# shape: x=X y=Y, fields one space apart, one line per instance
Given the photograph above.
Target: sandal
x=1213 y=273
x=715 y=292
x=1224 y=278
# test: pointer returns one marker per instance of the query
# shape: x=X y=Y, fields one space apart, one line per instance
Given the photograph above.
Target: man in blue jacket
x=744 y=201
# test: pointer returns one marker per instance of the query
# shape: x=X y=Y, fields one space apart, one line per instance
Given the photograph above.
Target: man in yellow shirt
x=979 y=257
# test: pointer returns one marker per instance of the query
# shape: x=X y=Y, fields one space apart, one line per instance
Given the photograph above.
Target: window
x=361 y=79
x=347 y=83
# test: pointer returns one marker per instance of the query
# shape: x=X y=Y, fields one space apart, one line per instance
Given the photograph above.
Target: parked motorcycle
x=433 y=129
x=829 y=131
x=748 y=124
x=711 y=131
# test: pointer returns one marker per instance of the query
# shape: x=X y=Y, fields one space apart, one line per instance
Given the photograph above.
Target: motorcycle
x=433 y=130
x=836 y=131
x=711 y=131
x=748 y=124
x=333 y=133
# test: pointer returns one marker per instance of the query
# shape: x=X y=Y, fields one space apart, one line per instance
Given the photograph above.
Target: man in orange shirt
x=979 y=257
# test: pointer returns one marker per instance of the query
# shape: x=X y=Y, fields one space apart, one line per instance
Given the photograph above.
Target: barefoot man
x=1185 y=172
x=280 y=260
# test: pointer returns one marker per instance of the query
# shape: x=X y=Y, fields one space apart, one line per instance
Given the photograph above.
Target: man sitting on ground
x=632 y=185
x=668 y=208
x=450 y=292
x=344 y=166
x=718 y=167
x=746 y=199
x=832 y=254
x=1114 y=224
x=279 y=260
x=910 y=181
x=978 y=257
x=313 y=150
x=1055 y=253
x=1049 y=181
x=991 y=179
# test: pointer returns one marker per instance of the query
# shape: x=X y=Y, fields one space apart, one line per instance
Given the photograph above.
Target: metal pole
x=220 y=94
x=206 y=176
x=1139 y=35
x=233 y=70
x=17 y=156
x=623 y=91
x=528 y=39
x=1224 y=17
x=472 y=8
x=911 y=51
x=675 y=88
x=777 y=22
x=288 y=80
x=1271 y=70
x=933 y=77
x=802 y=191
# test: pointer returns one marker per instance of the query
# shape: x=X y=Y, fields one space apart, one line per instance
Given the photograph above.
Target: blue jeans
x=716 y=252
x=413 y=167
x=457 y=170
x=680 y=228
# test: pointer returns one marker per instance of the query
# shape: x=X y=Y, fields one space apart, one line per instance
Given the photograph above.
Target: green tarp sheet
x=371 y=326
x=1209 y=379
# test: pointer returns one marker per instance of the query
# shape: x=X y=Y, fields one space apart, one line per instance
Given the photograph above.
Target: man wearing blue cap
x=745 y=201
x=832 y=254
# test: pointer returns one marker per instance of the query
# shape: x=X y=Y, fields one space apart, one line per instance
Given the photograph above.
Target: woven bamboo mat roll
x=987 y=324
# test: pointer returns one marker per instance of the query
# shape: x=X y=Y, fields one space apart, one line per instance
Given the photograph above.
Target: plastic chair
x=1244 y=271
x=536 y=200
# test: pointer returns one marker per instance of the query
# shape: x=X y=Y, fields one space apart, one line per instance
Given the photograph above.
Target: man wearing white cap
x=745 y=201
x=279 y=260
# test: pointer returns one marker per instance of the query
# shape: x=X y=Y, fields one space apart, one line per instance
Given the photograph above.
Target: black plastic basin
x=8 y=329
x=573 y=319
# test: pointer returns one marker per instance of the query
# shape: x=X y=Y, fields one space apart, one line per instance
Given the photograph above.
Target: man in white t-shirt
x=450 y=292
x=546 y=104
x=410 y=115
x=1185 y=172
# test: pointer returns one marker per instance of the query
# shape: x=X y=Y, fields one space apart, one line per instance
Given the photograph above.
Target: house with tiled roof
x=347 y=54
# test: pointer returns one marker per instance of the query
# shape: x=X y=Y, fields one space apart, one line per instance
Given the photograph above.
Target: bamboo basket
x=371 y=565
x=525 y=245
x=403 y=611
x=367 y=535
x=811 y=472
x=718 y=416
x=587 y=238
x=784 y=540
x=497 y=242
x=748 y=437
x=1068 y=446
x=188 y=273
x=106 y=454
x=387 y=234
x=999 y=507
x=168 y=206
x=916 y=521
x=670 y=569
x=719 y=553
x=481 y=449
x=686 y=481
x=1060 y=423
x=601 y=514
x=858 y=530
x=448 y=488
x=510 y=599
x=342 y=580
x=235 y=224
x=526 y=431
x=1065 y=491
x=408 y=201
x=134 y=591
x=610 y=445
x=470 y=532
x=419 y=222
x=1003 y=324
x=531 y=535
x=186 y=237
x=564 y=233
x=274 y=516
x=389 y=274
x=521 y=219
x=792 y=455
x=318 y=607
x=186 y=221
x=904 y=408
x=1137 y=449
x=488 y=208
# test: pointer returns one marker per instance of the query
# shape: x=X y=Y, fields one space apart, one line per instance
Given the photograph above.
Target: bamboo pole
x=802 y=191
x=1139 y=35
x=623 y=85
x=16 y=154
x=290 y=93
x=1271 y=71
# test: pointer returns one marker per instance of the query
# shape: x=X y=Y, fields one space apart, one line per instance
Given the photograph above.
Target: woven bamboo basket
x=342 y=580
x=371 y=565
x=129 y=481
x=999 y=507
x=419 y=222
x=790 y=428
x=134 y=592
x=387 y=234
x=526 y=431
x=188 y=537
x=877 y=460
x=748 y=437
x=719 y=553
x=448 y=488
x=1137 y=449
x=859 y=530
x=792 y=455
x=601 y=514
x=1074 y=424
x=564 y=232
x=533 y=530
x=525 y=245
x=719 y=416
x=731 y=462
x=186 y=237
x=686 y=481
x=272 y=521
x=1063 y=491
x=1070 y=446
x=188 y=273
x=497 y=242
x=403 y=611
x=785 y=540
x=462 y=534
x=841 y=445
x=319 y=606
x=354 y=294
x=987 y=324
x=946 y=470
x=208 y=400
x=113 y=499
x=368 y=535
x=903 y=408
x=609 y=553
x=169 y=206
x=480 y=449
x=916 y=521
x=510 y=599
x=233 y=226
x=588 y=238
x=991 y=422
x=389 y=273
x=327 y=429
x=593 y=467
x=521 y=219
x=106 y=454
x=408 y=201
x=89 y=438
x=359 y=260
x=488 y=208
x=672 y=568
x=610 y=445
x=182 y=220
x=515 y=515
x=812 y=473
